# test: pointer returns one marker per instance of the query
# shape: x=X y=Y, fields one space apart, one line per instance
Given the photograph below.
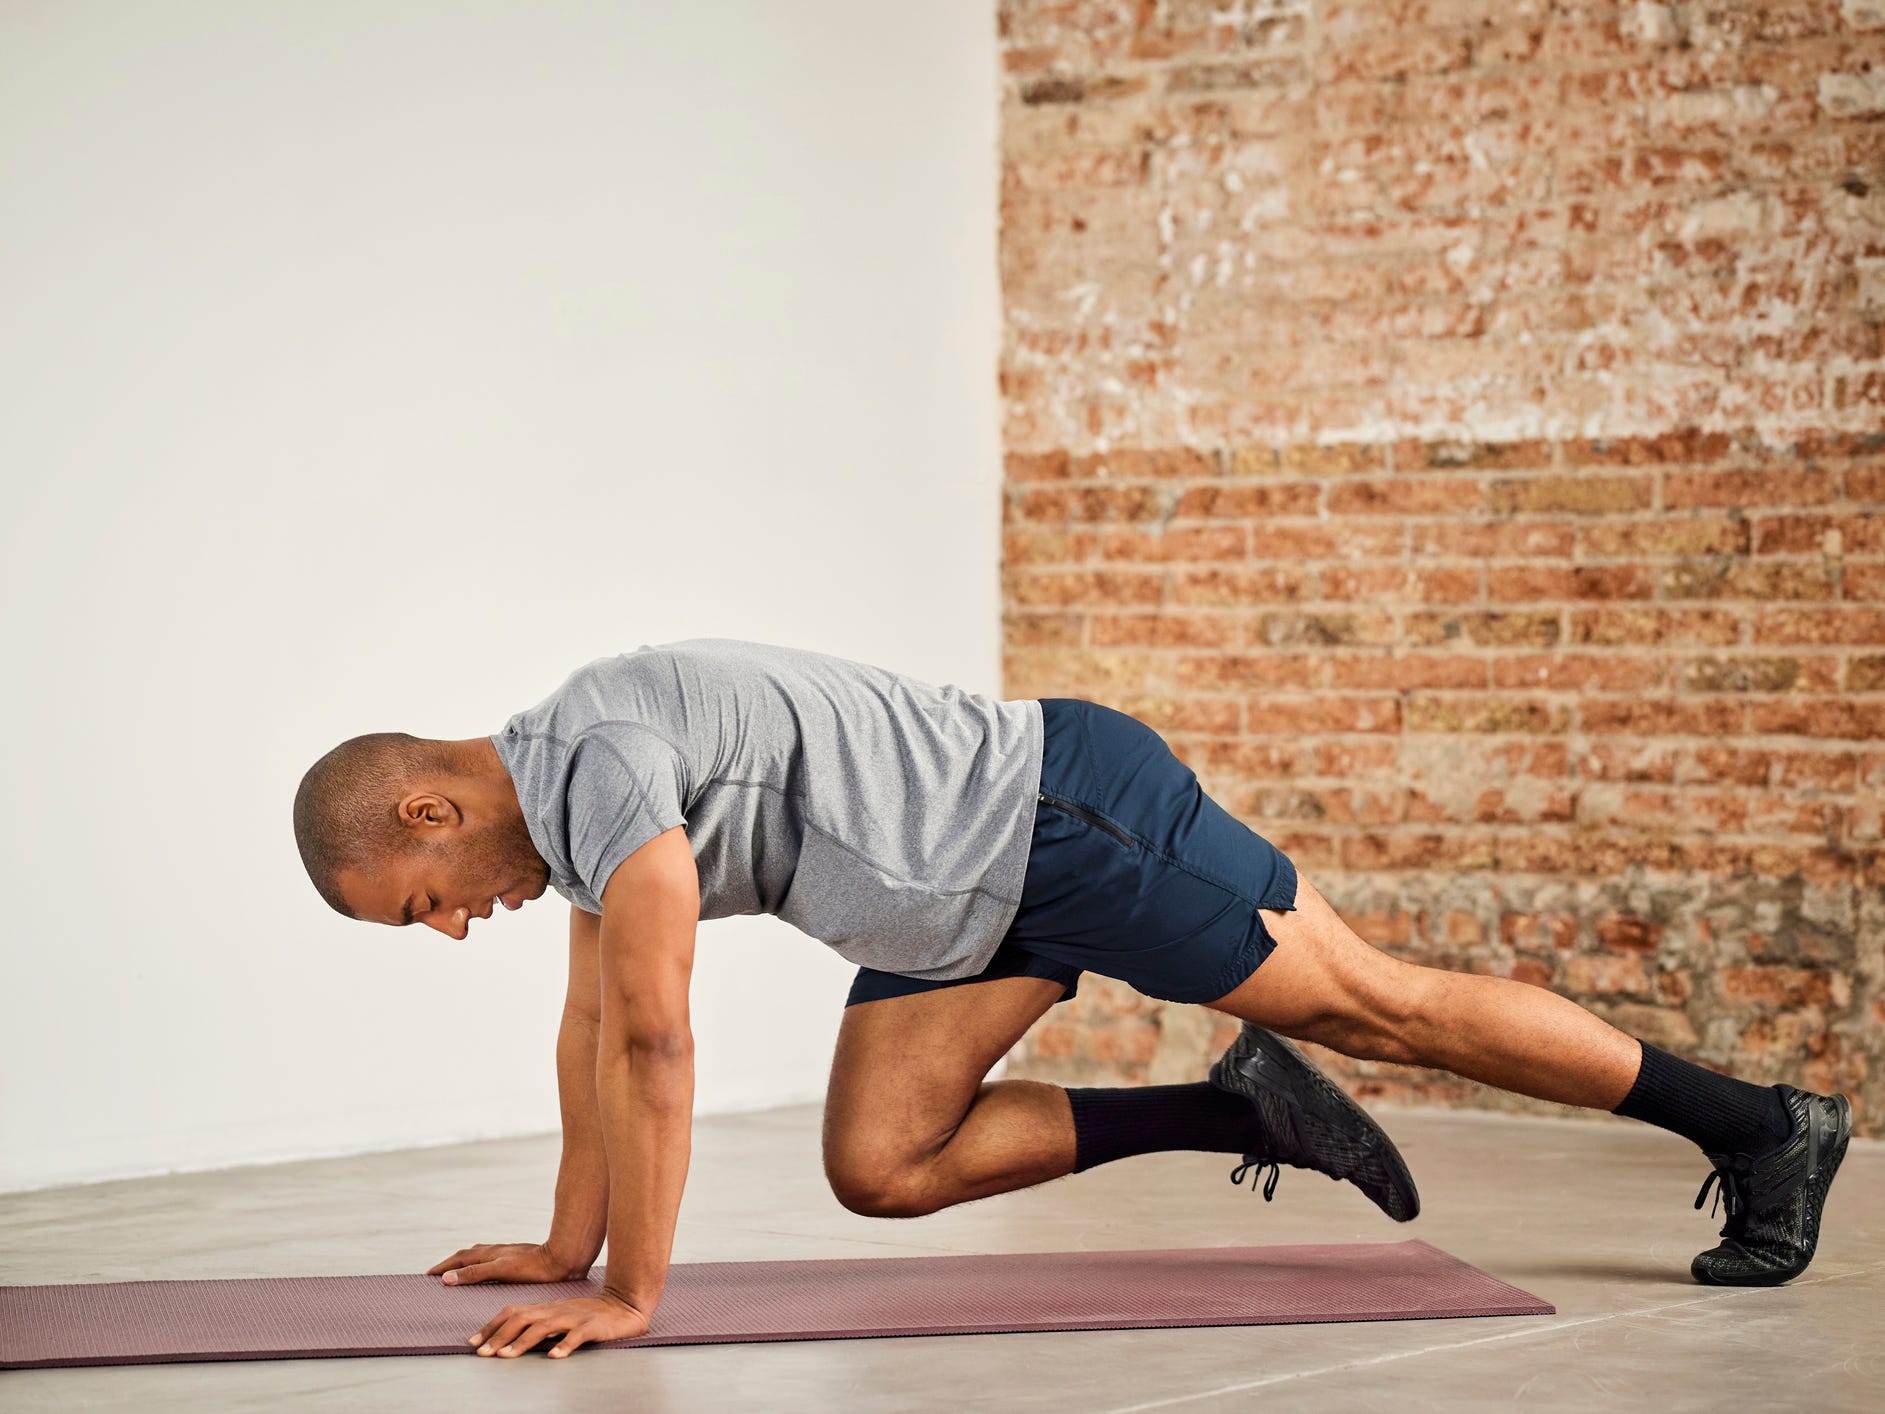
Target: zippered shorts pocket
x=1092 y=817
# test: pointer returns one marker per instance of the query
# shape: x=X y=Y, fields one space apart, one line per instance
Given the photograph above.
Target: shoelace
x=1259 y=1164
x=1730 y=1181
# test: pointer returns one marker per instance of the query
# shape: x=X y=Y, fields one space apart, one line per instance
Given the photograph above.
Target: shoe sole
x=1321 y=1114
x=1822 y=1165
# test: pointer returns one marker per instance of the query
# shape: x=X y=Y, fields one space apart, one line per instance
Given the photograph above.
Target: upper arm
x=650 y=912
x=624 y=787
x=584 y=999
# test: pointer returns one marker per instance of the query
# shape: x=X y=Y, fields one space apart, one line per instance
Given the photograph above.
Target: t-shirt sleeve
x=625 y=786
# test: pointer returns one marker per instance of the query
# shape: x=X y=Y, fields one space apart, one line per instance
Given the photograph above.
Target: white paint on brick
x=1696 y=107
x=1654 y=24
x=1847 y=95
x=1871 y=272
x=1738 y=213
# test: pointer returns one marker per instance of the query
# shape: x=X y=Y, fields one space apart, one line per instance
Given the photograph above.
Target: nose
x=456 y=925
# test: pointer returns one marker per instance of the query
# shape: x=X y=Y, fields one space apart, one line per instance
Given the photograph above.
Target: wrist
x=622 y=1298
x=569 y=1261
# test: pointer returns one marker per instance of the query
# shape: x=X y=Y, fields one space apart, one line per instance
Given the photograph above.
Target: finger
x=577 y=1335
x=490 y=1329
x=457 y=1259
x=477 y=1271
x=508 y=1329
x=530 y=1335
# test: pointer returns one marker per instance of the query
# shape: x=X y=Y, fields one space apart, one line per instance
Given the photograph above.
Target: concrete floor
x=1593 y=1215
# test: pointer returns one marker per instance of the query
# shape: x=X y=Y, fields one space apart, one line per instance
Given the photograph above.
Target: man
x=973 y=856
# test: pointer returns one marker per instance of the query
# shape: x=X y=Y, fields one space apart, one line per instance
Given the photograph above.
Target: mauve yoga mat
x=276 y=1318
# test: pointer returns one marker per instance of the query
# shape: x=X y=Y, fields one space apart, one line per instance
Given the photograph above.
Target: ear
x=428 y=808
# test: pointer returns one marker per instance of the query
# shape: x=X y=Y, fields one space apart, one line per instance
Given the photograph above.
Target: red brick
x=1248 y=499
x=1233 y=672
x=1243 y=586
x=1024 y=630
x=1520 y=583
x=1385 y=583
x=1622 y=931
x=1686 y=536
x=1403 y=671
x=1685 y=489
x=1162 y=463
x=1164 y=630
x=1863 y=583
x=1093 y=503
x=1749 y=673
x=1607 y=973
x=1100 y=588
x=1628 y=761
x=1820 y=717
x=1335 y=712
x=1817 y=770
x=1250 y=758
x=1660 y=717
x=1532 y=971
x=1655 y=627
x=1321 y=628
x=1431 y=495
x=1295 y=541
x=1037 y=545
x=1683 y=446
x=1580 y=672
x=1348 y=757
x=1534 y=628
x=1399 y=850
x=1820 y=625
x=1521 y=539
x=1581 y=494
x=1484 y=712
x=1176 y=542
x=1728 y=765
x=1786 y=987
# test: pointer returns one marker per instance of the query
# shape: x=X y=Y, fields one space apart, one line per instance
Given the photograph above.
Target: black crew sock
x=1145 y=1119
x=1721 y=1114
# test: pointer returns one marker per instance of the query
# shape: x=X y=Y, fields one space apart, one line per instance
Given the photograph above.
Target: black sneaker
x=1775 y=1200
x=1310 y=1123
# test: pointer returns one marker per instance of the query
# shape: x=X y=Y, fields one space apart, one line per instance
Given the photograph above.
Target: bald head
x=399 y=829
x=347 y=807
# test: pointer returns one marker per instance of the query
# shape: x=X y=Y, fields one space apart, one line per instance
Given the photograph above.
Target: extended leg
x=1325 y=984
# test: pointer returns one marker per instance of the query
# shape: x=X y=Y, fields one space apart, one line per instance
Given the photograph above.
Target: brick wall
x=1459 y=428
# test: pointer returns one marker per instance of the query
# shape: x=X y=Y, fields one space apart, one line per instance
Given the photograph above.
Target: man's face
x=448 y=875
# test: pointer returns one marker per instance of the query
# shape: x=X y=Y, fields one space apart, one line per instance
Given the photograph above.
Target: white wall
x=369 y=366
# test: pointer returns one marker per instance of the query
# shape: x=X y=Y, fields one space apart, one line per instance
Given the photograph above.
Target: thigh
x=1136 y=873
x=1321 y=978
x=907 y=1068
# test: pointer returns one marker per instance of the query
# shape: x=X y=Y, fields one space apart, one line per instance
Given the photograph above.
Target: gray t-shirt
x=882 y=815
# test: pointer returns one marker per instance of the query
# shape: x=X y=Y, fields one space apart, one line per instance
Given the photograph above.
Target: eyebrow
x=405 y=912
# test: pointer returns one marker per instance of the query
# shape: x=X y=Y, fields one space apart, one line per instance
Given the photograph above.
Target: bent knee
x=879 y=1195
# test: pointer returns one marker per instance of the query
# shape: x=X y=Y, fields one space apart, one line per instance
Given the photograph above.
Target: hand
x=506 y=1261
x=516 y=1329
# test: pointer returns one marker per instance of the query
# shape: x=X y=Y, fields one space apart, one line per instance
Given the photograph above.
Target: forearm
x=646 y=1098
x=582 y=1181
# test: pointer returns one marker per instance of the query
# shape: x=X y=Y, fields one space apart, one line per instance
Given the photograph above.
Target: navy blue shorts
x=1134 y=872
